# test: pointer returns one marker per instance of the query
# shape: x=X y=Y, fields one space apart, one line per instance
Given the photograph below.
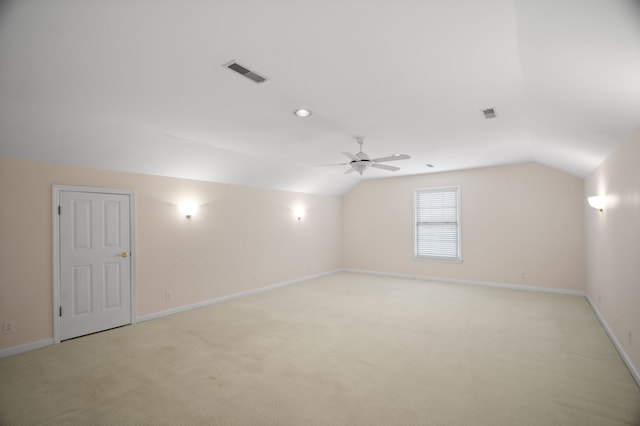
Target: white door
x=95 y=262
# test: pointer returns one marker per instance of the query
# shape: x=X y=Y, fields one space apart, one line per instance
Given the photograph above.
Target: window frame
x=446 y=259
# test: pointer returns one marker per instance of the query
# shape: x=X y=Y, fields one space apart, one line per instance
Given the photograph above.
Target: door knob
x=123 y=254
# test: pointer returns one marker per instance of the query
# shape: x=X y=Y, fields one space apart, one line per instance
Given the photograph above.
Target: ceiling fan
x=361 y=161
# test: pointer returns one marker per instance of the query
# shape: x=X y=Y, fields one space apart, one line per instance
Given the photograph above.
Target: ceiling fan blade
x=331 y=164
x=351 y=156
x=349 y=171
x=385 y=167
x=391 y=158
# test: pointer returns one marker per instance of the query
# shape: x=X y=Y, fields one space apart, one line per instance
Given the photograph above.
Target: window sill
x=438 y=259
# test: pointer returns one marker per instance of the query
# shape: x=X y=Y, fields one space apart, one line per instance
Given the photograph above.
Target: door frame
x=56 y=190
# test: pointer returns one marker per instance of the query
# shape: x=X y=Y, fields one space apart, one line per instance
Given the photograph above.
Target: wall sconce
x=299 y=212
x=188 y=208
x=596 y=202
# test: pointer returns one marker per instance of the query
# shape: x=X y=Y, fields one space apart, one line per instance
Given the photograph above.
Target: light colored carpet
x=346 y=349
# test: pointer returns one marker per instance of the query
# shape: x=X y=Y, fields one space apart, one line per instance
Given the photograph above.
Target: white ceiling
x=140 y=85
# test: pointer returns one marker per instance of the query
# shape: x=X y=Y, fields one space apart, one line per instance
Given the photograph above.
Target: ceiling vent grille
x=489 y=113
x=234 y=66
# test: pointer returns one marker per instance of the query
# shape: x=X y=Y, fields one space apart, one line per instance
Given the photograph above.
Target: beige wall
x=518 y=219
x=241 y=239
x=613 y=245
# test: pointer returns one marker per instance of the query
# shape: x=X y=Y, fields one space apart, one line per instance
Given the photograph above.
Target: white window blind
x=437 y=223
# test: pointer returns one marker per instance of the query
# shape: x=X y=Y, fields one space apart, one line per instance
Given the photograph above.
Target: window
x=438 y=223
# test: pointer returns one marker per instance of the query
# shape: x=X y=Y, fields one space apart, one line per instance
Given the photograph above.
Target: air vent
x=234 y=66
x=489 y=113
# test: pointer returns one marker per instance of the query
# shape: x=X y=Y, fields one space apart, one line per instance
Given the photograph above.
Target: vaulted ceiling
x=141 y=85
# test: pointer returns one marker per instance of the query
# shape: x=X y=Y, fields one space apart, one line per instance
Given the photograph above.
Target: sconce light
x=188 y=208
x=299 y=212
x=596 y=202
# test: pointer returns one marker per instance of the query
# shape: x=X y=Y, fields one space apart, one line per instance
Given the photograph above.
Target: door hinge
x=60 y=310
x=59 y=209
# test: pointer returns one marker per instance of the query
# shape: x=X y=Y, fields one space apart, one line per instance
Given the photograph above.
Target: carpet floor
x=345 y=349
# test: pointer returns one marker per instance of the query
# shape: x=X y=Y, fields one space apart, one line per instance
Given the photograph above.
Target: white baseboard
x=25 y=348
x=623 y=355
x=230 y=297
x=471 y=282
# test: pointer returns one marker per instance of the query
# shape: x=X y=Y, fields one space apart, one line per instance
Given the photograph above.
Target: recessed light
x=302 y=112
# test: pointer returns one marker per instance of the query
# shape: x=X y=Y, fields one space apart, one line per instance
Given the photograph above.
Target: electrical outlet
x=8 y=327
x=168 y=295
x=523 y=276
x=629 y=337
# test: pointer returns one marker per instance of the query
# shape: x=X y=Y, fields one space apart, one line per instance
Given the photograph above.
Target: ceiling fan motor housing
x=361 y=161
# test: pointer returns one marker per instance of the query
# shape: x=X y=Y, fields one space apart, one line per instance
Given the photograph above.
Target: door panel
x=112 y=286
x=81 y=224
x=112 y=224
x=81 y=299
x=95 y=280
